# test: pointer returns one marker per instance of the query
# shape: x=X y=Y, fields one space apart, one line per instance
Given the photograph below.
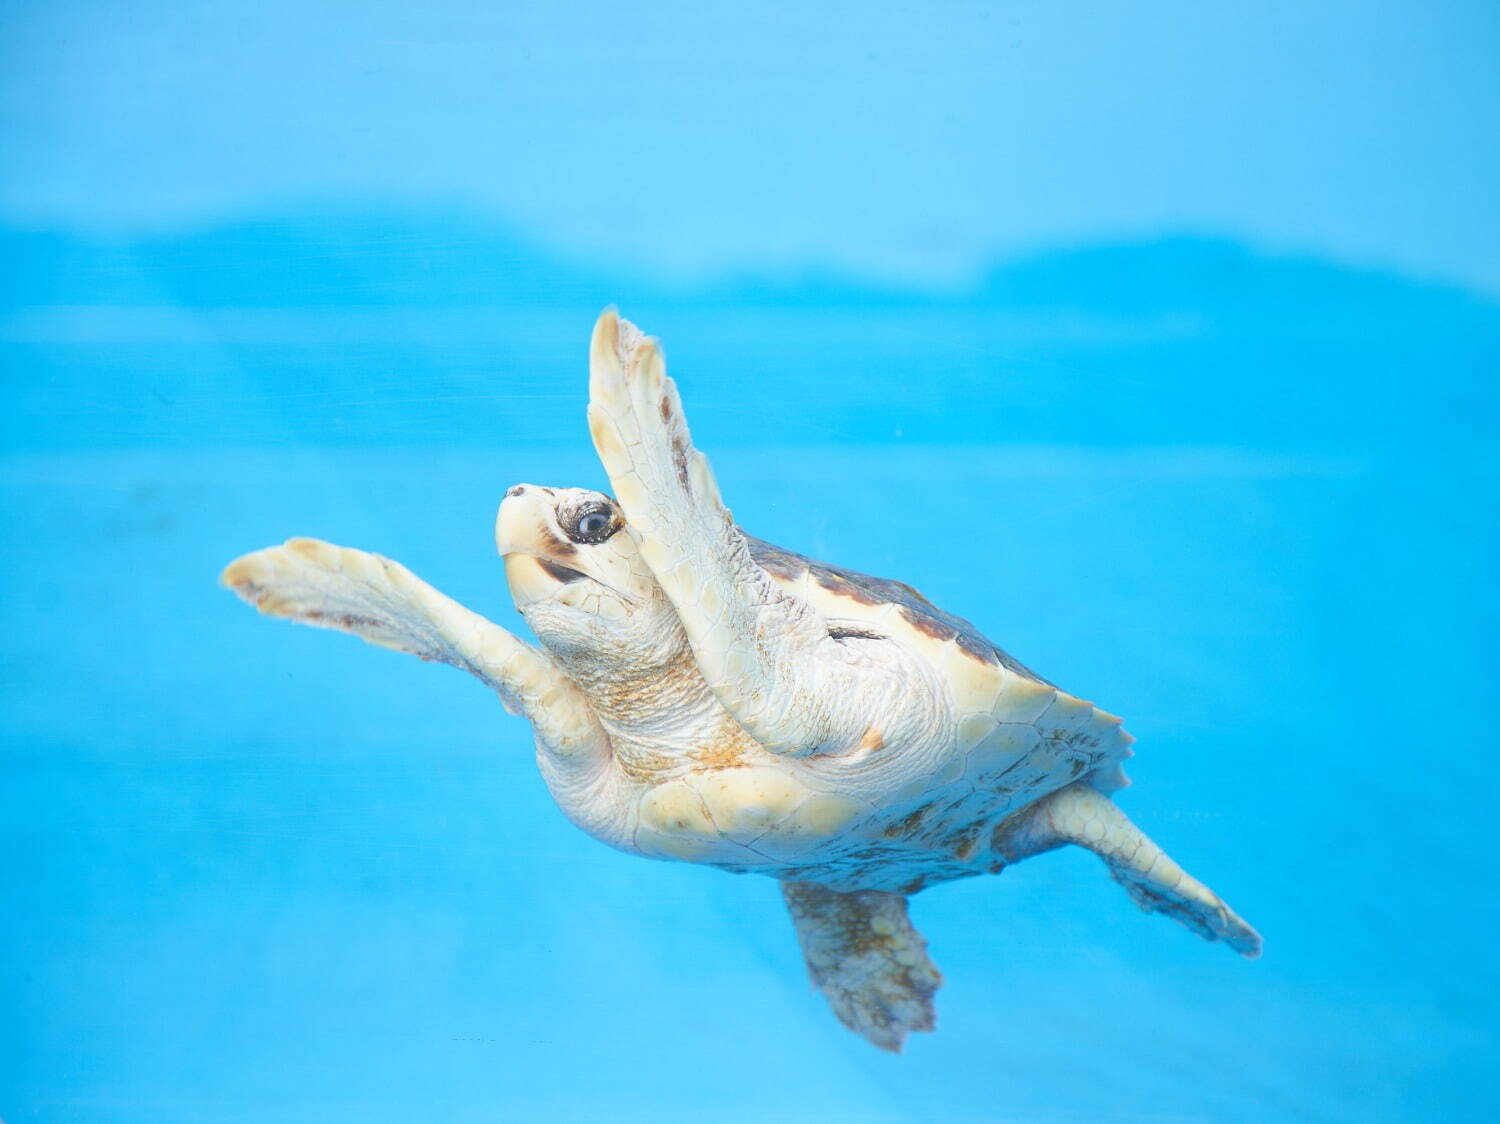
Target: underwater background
x=1237 y=487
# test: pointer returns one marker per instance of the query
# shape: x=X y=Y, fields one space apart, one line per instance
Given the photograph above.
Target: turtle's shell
x=806 y=575
x=1018 y=737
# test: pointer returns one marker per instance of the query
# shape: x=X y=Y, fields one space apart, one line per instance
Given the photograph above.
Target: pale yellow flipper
x=384 y=603
x=1082 y=815
x=765 y=653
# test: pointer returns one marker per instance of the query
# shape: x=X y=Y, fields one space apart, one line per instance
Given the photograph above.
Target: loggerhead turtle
x=704 y=696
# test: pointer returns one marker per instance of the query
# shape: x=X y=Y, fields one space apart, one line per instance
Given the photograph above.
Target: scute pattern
x=707 y=697
x=796 y=820
x=916 y=610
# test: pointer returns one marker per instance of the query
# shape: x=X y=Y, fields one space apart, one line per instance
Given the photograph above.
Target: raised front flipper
x=384 y=603
x=1081 y=814
x=766 y=654
x=866 y=958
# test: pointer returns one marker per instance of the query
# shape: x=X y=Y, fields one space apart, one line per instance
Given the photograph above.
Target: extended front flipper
x=1081 y=814
x=866 y=958
x=384 y=603
x=768 y=656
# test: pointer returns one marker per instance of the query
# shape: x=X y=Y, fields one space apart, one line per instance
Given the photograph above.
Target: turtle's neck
x=656 y=707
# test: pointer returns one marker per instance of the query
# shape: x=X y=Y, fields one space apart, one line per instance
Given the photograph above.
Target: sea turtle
x=704 y=696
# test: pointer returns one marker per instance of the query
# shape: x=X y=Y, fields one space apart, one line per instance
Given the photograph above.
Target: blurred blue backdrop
x=1183 y=322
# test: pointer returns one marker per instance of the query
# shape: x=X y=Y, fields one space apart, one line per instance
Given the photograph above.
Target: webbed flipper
x=384 y=603
x=766 y=654
x=1081 y=814
x=867 y=959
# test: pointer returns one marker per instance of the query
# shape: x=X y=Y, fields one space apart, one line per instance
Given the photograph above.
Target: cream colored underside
x=879 y=818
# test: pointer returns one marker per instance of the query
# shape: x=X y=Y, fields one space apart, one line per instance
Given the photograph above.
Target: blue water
x=254 y=872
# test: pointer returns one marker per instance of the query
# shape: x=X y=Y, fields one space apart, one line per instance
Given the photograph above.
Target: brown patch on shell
x=928 y=626
x=916 y=610
x=908 y=825
x=872 y=740
x=629 y=698
x=847 y=632
x=869 y=927
x=964 y=845
x=1073 y=739
x=837 y=583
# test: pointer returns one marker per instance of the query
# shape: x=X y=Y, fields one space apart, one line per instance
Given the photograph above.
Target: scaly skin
x=384 y=603
x=696 y=700
x=868 y=960
x=767 y=656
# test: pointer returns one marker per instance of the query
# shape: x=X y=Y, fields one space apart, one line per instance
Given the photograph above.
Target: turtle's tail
x=1081 y=814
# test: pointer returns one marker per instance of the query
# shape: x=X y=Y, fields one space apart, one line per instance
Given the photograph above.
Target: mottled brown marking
x=562 y=548
x=928 y=626
x=964 y=844
x=780 y=568
x=976 y=648
x=836 y=928
x=878 y=591
x=872 y=740
x=347 y=621
x=909 y=824
x=630 y=697
x=644 y=765
x=725 y=752
x=847 y=632
x=666 y=408
x=679 y=459
x=837 y=583
x=1073 y=738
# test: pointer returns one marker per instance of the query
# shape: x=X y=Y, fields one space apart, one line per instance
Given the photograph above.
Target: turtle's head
x=577 y=577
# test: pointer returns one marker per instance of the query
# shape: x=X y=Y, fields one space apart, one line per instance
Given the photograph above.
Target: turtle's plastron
x=702 y=696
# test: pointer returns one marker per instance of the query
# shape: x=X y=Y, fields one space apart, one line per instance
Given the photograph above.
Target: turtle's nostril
x=519 y=489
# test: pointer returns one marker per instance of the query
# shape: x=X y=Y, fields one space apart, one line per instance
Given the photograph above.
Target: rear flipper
x=866 y=958
x=1081 y=814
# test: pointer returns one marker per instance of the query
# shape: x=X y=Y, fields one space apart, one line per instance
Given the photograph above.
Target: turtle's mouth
x=534 y=577
x=540 y=563
x=565 y=575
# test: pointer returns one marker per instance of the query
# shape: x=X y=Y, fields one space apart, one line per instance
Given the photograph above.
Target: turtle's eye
x=592 y=523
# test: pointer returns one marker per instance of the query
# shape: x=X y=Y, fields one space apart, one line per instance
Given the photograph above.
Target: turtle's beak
x=538 y=561
x=519 y=520
x=532 y=579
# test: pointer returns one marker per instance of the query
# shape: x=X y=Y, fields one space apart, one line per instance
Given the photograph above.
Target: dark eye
x=591 y=523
